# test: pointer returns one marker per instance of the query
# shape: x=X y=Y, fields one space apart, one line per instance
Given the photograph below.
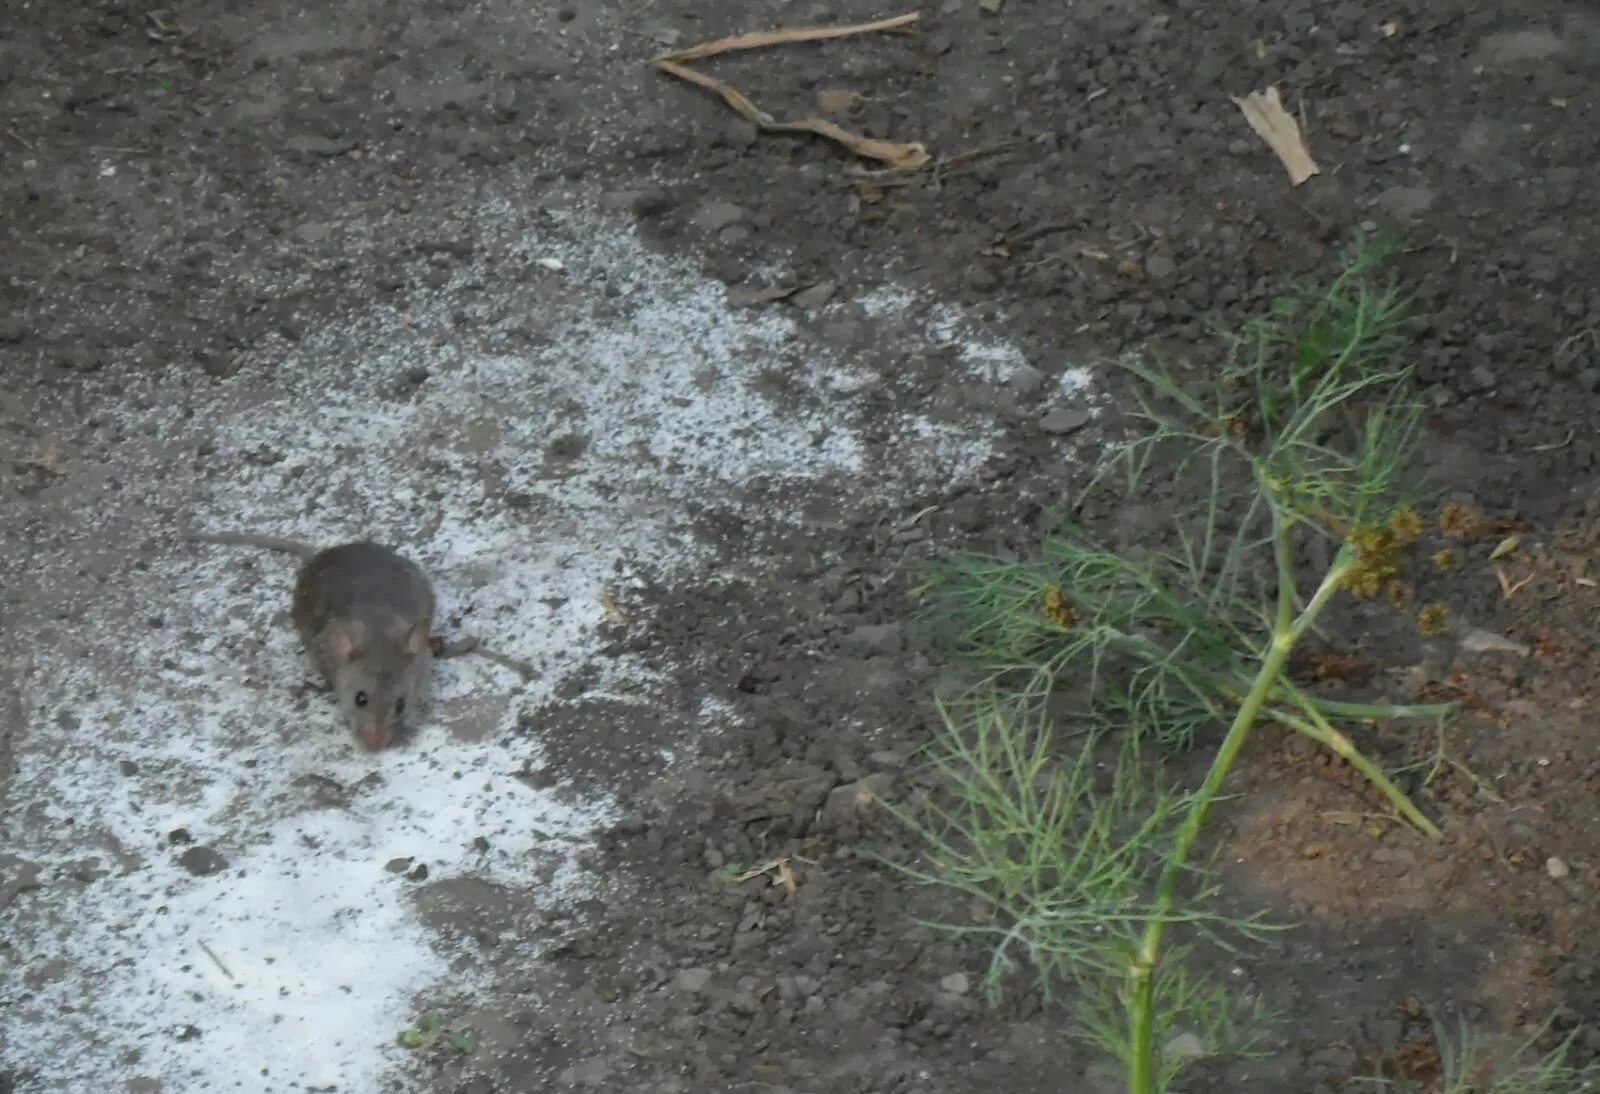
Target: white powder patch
x=1077 y=381
x=295 y=965
x=994 y=359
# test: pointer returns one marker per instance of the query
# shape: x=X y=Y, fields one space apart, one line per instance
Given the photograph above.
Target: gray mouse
x=364 y=614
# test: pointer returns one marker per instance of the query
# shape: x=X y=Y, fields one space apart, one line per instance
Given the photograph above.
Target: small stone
x=741 y=133
x=981 y=278
x=650 y=202
x=838 y=100
x=1556 y=868
x=992 y=7
x=817 y=295
x=419 y=872
x=320 y=146
x=217 y=365
x=591 y=1073
x=1482 y=641
x=694 y=981
x=619 y=200
x=956 y=983
x=179 y=836
x=312 y=232
x=127 y=767
x=845 y=803
x=1063 y=420
x=1185 y=1046
x=1159 y=267
x=874 y=639
x=202 y=861
x=1516 y=46
x=397 y=865
x=1406 y=203
x=1026 y=380
x=717 y=215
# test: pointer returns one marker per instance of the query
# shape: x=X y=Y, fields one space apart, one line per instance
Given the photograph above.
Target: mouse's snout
x=374 y=736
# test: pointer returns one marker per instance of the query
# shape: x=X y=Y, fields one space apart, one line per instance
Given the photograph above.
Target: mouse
x=365 y=615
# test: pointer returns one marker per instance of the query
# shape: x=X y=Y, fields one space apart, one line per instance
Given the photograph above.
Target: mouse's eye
x=399 y=706
x=361 y=698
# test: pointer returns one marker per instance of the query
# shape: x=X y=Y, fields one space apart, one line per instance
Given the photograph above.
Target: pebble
x=982 y=279
x=592 y=1072
x=817 y=295
x=1063 y=420
x=694 y=981
x=956 y=983
x=845 y=802
x=1482 y=641
x=320 y=146
x=874 y=640
x=202 y=861
x=1026 y=380
x=1159 y=267
x=1556 y=868
x=716 y=215
x=1185 y=1046
x=1406 y=203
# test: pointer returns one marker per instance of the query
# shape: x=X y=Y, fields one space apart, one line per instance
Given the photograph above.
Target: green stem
x=1372 y=711
x=1320 y=730
x=1139 y=993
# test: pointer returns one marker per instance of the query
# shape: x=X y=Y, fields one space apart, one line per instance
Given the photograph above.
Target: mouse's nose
x=373 y=737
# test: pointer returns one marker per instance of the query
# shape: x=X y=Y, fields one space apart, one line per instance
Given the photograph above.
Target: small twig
x=217 y=960
x=20 y=139
x=1039 y=231
x=1571 y=433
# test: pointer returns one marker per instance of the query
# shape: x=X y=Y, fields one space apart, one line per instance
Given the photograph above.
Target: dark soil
x=1094 y=182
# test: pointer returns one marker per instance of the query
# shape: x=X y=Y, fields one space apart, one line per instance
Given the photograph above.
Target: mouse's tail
x=246 y=539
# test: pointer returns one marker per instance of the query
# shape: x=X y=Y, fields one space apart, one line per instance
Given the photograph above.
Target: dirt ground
x=192 y=192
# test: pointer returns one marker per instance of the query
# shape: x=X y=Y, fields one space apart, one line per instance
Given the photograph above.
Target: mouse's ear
x=344 y=641
x=417 y=638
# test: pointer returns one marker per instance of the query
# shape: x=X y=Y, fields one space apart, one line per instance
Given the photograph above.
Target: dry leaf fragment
x=896 y=155
x=744 y=298
x=1266 y=115
x=837 y=101
x=608 y=604
x=1505 y=547
x=1509 y=588
x=781 y=869
x=51 y=459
